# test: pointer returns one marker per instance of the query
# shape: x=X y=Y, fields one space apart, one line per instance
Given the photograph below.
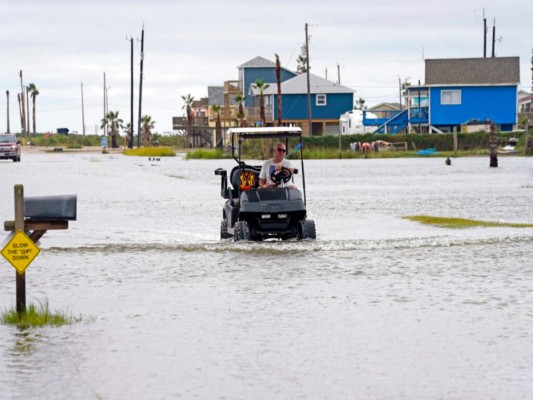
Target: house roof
x=494 y=70
x=298 y=85
x=523 y=94
x=258 y=62
x=526 y=99
x=381 y=106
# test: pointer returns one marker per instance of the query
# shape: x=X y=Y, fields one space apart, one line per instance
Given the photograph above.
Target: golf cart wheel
x=242 y=231
x=300 y=229
x=224 y=229
x=309 y=231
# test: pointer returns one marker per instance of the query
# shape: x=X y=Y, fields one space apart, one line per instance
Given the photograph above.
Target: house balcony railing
x=383 y=117
x=181 y=122
x=254 y=114
x=251 y=114
x=232 y=87
x=227 y=113
x=419 y=115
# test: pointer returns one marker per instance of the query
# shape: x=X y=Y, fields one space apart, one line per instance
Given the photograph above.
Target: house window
x=450 y=97
x=320 y=99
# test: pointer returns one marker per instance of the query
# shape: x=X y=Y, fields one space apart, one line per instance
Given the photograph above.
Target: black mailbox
x=51 y=208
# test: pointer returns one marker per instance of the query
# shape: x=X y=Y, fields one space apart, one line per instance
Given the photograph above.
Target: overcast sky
x=190 y=45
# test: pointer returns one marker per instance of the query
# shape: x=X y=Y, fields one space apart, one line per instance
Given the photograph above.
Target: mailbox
x=51 y=208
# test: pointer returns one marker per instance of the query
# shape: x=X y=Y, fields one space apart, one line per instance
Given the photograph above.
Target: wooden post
x=455 y=141
x=19 y=224
x=526 y=144
x=493 y=145
x=340 y=147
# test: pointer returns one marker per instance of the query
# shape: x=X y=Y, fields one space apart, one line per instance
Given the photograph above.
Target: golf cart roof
x=282 y=131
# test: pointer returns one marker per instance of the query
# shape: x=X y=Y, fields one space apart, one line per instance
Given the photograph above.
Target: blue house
x=457 y=92
x=328 y=99
x=259 y=68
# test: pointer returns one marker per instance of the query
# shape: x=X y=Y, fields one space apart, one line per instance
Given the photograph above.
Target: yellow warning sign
x=20 y=251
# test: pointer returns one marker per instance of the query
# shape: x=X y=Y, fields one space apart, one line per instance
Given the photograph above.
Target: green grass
x=205 y=154
x=151 y=152
x=461 y=223
x=37 y=316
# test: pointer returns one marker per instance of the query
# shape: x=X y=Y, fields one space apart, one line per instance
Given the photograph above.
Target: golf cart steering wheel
x=283 y=175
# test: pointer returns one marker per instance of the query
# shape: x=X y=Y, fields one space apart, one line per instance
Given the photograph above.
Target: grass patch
x=460 y=223
x=37 y=316
x=205 y=154
x=151 y=152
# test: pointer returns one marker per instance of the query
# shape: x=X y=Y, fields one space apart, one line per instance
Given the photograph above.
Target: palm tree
x=278 y=80
x=406 y=83
x=188 y=101
x=218 y=133
x=302 y=64
x=127 y=131
x=32 y=89
x=147 y=126
x=240 y=99
x=112 y=120
x=260 y=85
x=22 y=107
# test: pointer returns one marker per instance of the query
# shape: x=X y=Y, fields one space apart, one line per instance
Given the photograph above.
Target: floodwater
x=378 y=307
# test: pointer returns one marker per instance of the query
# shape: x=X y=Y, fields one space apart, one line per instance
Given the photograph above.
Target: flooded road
x=378 y=307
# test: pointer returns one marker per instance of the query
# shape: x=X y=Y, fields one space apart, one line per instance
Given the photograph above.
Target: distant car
x=9 y=148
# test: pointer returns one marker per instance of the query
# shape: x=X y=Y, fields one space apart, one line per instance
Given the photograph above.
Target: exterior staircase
x=394 y=124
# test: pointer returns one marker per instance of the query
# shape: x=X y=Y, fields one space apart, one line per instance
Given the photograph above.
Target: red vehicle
x=9 y=148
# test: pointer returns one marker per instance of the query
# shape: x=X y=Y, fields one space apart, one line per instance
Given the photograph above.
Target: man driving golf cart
x=276 y=168
x=253 y=213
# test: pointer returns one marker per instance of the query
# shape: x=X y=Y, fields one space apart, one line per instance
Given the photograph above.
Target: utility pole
x=28 y=112
x=400 y=90
x=130 y=133
x=21 y=102
x=484 y=35
x=140 y=91
x=338 y=73
x=309 y=117
x=7 y=95
x=82 y=112
x=105 y=96
x=494 y=38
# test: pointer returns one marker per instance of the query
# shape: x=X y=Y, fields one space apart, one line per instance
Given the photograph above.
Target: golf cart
x=254 y=213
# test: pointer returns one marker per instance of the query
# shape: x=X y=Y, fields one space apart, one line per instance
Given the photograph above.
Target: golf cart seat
x=247 y=177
